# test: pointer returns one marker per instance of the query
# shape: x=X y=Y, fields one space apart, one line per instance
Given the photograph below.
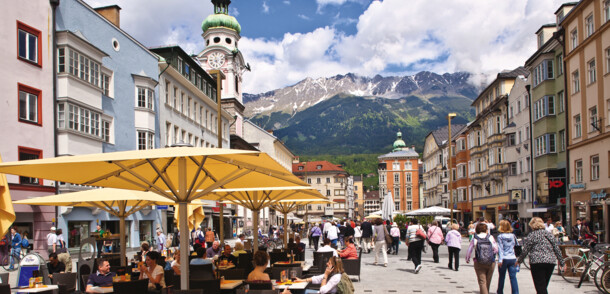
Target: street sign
x=162 y=207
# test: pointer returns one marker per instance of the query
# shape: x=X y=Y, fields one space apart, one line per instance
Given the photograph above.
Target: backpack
x=484 y=251
x=25 y=243
x=201 y=238
x=345 y=286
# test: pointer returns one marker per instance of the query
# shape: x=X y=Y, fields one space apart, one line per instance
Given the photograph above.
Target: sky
x=286 y=41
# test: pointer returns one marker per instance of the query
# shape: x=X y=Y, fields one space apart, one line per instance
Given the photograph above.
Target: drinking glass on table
x=246 y=288
x=293 y=275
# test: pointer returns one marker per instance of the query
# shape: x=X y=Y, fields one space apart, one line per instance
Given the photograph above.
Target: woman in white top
x=379 y=239
x=415 y=243
x=152 y=271
x=357 y=235
x=329 y=280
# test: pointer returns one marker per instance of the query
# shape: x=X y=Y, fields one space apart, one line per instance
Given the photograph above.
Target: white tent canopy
x=432 y=210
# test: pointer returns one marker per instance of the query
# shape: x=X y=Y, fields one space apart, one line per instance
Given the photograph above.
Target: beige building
x=486 y=139
x=358 y=197
x=587 y=66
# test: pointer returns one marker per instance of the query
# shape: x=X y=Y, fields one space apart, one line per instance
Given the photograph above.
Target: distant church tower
x=221 y=33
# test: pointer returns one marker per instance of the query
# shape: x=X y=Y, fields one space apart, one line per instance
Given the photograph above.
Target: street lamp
x=449 y=117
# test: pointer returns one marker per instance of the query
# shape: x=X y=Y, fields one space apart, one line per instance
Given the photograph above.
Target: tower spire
x=221 y=6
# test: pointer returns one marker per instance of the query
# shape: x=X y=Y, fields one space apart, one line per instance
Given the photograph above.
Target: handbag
x=518 y=248
x=388 y=238
x=420 y=233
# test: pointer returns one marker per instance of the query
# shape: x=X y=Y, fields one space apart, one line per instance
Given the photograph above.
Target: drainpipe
x=569 y=217
x=529 y=96
x=54 y=5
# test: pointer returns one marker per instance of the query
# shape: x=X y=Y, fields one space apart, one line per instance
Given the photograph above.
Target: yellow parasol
x=7 y=212
x=195 y=215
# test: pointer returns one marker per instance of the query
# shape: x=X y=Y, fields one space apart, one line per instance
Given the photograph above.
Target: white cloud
x=265 y=7
x=286 y=2
x=233 y=11
x=303 y=16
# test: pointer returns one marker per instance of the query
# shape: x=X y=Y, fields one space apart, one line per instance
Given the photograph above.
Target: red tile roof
x=312 y=166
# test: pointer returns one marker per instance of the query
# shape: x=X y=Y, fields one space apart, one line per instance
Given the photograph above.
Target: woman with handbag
x=507 y=257
x=380 y=243
x=415 y=240
x=435 y=238
x=60 y=246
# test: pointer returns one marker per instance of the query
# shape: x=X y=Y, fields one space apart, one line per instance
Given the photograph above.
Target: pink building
x=26 y=114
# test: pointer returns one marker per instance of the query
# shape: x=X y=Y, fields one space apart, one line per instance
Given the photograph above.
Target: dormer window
x=540 y=39
x=300 y=167
x=319 y=167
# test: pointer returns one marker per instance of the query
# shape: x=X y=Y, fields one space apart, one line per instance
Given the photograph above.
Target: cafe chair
x=233 y=274
x=84 y=279
x=244 y=260
x=243 y=291
x=5 y=288
x=201 y=271
x=208 y=286
x=352 y=266
x=4 y=278
x=65 y=281
x=319 y=262
x=131 y=287
x=277 y=256
x=169 y=277
x=192 y=291
x=259 y=285
x=277 y=272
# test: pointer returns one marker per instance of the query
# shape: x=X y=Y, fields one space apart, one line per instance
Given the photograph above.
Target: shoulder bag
x=420 y=233
x=518 y=248
x=388 y=238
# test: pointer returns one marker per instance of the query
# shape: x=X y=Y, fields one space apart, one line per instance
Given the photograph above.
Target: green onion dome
x=221 y=20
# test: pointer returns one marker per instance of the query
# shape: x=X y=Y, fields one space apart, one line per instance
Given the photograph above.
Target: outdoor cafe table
x=226 y=267
x=293 y=286
x=230 y=284
x=306 y=266
x=53 y=288
x=102 y=289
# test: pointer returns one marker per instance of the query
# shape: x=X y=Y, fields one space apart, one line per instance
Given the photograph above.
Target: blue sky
x=286 y=41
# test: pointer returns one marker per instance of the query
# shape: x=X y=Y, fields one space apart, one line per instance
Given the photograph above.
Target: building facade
x=358 y=197
x=331 y=181
x=399 y=175
x=587 y=64
x=27 y=107
x=372 y=202
x=106 y=101
x=461 y=185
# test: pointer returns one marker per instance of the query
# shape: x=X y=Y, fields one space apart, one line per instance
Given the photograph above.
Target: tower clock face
x=216 y=59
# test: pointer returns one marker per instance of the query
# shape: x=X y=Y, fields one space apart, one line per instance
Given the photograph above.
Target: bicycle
x=10 y=262
x=579 y=268
x=605 y=281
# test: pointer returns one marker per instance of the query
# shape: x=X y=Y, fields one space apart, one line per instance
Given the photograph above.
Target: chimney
x=112 y=13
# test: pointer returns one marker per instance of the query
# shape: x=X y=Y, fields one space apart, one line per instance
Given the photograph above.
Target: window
x=511 y=139
x=543 y=107
x=574 y=39
x=542 y=72
x=540 y=40
x=409 y=192
x=577 y=126
x=397 y=205
x=61 y=60
x=167 y=89
x=560 y=102
x=146 y=97
x=327 y=192
x=500 y=153
x=578 y=171
x=594 y=167
x=396 y=178
x=512 y=168
x=84 y=68
x=606 y=10
x=106 y=84
x=318 y=181
x=593 y=117
x=409 y=205
x=182 y=103
x=79 y=119
x=608 y=59
x=29 y=154
x=408 y=177
x=562 y=140
x=146 y=140
x=559 y=62
x=589 y=25
x=396 y=193
x=328 y=180
x=575 y=82
x=28 y=44
x=30 y=108
x=189 y=114
x=395 y=165
x=545 y=144
x=592 y=77
x=106 y=131
x=309 y=181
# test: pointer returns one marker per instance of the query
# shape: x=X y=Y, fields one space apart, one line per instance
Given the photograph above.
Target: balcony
x=498 y=170
x=496 y=140
x=476 y=150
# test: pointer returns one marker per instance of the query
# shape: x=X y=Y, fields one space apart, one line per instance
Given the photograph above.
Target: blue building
x=107 y=101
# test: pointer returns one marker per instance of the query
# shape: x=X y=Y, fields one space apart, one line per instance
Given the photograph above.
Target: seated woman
x=350 y=250
x=144 y=249
x=239 y=249
x=329 y=280
x=153 y=272
x=261 y=260
x=176 y=263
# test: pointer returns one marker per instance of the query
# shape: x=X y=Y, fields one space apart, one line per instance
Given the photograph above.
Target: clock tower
x=221 y=34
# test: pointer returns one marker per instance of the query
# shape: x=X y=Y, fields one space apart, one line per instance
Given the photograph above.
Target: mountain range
x=351 y=114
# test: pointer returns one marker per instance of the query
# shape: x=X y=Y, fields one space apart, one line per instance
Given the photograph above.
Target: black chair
x=278 y=256
x=208 y=286
x=5 y=288
x=169 y=277
x=242 y=291
x=244 y=260
x=319 y=261
x=277 y=272
x=287 y=265
x=84 y=279
x=261 y=285
x=4 y=278
x=192 y=291
x=352 y=266
x=233 y=274
x=201 y=271
x=65 y=281
x=131 y=287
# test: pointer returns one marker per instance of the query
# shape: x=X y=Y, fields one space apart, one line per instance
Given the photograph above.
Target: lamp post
x=449 y=117
x=219 y=77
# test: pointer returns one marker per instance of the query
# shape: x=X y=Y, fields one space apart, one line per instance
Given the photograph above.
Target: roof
x=441 y=135
x=400 y=153
x=513 y=74
x=371 y=195
x=312 y=166
x=548 y=25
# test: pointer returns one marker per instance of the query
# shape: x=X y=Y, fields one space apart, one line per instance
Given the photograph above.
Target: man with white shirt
x=327 y=226
x=51 y=239
x=549 y=225
x=333 y=235
x=327 y=248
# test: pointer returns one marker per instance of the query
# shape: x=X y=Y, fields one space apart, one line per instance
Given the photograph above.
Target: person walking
x=316 y=232
x=415 y=240
x=380 y=244
x=470 y=231
x=367 y=232
x=357 y=235
x=485 y=248
x=209 y=238
x=333 y=234
x=15 y=246
x=454 y=245
x=579 y=231
x=161 y=239
x=435 y=239
x=544 y=254
x=506 y=257
x=51 y=240
x=395 y=233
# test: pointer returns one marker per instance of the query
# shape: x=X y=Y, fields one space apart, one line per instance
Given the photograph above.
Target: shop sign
x=600 y=195
x=483 y=207
x=561 y=201
x=576 y=186
x=162 y=207
x=516 y=194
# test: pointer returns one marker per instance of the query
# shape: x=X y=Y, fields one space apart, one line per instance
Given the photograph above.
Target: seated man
x=101 y=278
x=239 y=249
x=214 y=250
x=301 y=248
x=66 y=259
x=226 y=255
x=54 y=265
x=327 y=248
x=201 y=257
x=350 y=250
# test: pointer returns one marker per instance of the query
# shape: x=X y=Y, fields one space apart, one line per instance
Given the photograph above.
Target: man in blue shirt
x=15 y=246
x=101 y=278
x=214 y=250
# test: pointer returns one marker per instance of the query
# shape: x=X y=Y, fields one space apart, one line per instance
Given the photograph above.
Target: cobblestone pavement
x=399 y=276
